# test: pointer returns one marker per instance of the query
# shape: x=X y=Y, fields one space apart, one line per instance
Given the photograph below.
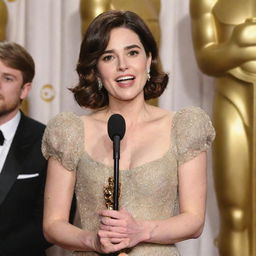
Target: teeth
x=125 y=78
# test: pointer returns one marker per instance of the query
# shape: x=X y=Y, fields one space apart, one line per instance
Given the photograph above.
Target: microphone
x=116 y=131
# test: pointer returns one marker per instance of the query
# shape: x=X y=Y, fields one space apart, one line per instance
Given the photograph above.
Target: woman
x=162 y=153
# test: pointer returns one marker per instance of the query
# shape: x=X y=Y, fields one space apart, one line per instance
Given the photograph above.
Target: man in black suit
x=22 y=166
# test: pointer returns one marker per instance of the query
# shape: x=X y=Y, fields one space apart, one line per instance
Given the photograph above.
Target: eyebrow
x=9 y=74
x=126 y=48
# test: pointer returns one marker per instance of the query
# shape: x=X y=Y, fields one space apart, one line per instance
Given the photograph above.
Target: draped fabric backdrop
x=50 y=31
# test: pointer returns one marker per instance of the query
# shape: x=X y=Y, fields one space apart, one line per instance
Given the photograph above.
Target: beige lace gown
x=149 y=191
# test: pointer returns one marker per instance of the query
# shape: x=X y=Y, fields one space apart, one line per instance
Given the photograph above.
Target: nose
x=122 y=63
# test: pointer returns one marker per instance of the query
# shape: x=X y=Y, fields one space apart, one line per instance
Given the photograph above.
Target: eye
x=107 y=58
x=133 y=53
x=8 y=78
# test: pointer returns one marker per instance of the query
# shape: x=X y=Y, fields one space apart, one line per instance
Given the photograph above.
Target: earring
x=100 y=85
x=148 y=75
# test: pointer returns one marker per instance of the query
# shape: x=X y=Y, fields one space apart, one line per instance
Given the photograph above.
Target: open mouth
x=125 y=78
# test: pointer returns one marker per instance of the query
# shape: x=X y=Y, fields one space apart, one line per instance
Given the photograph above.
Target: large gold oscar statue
x=148 y=10
x=224 y=38
x=3 y=20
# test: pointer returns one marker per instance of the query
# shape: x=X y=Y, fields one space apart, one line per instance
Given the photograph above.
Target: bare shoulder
x=93 y=117
x=94 y=124
x=158 y=114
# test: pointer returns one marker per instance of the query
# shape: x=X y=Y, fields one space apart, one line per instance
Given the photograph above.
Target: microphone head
x=116 y=126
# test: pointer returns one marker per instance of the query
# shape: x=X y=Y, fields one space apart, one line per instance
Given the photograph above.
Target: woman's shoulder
x=192 y=132
x=65 y=126
x=193 y=115
x=64 y=139
x=65 y=123
x=65 y=118
x=192 y=120
x=158 y=113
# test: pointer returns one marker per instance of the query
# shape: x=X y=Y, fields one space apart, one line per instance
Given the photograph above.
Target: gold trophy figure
x=224 y=38
x=108 y=192
x=3 y=20
x=148 y=10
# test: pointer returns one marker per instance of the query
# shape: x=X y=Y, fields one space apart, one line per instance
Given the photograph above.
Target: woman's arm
x=188 y=224
x=59 y=190
x=192 y=198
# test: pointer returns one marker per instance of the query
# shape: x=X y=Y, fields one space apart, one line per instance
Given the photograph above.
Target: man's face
x=12 y=91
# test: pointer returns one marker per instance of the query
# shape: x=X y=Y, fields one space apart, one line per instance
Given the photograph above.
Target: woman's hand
x=105 y=244
x=120 y=228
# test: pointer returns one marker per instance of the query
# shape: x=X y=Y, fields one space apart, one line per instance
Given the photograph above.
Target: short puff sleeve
x=64 y=139
x=192 y=133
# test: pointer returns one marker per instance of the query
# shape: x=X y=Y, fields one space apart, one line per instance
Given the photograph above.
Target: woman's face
x=124 y=65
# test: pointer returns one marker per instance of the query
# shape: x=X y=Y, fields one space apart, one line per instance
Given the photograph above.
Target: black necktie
x=1 y=138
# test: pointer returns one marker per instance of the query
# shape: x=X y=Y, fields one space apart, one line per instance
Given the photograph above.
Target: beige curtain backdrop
x=50 y=30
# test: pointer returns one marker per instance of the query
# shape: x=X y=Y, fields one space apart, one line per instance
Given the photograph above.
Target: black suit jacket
x=21 y=200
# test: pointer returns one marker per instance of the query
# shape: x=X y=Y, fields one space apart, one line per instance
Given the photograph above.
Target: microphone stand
x=116 y=131
x=116 y=157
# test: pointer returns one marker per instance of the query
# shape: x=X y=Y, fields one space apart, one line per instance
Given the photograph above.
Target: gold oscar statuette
x=108 y=191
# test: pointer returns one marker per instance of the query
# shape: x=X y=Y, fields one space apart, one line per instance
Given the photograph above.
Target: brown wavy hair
x=95 y=41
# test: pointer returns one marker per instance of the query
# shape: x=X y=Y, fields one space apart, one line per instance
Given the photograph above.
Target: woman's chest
x=139 y=146
x=157 y=179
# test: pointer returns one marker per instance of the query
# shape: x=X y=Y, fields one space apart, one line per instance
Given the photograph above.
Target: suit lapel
x=15 y=158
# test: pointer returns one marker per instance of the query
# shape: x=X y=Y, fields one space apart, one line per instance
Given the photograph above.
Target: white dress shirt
x=8 y=130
